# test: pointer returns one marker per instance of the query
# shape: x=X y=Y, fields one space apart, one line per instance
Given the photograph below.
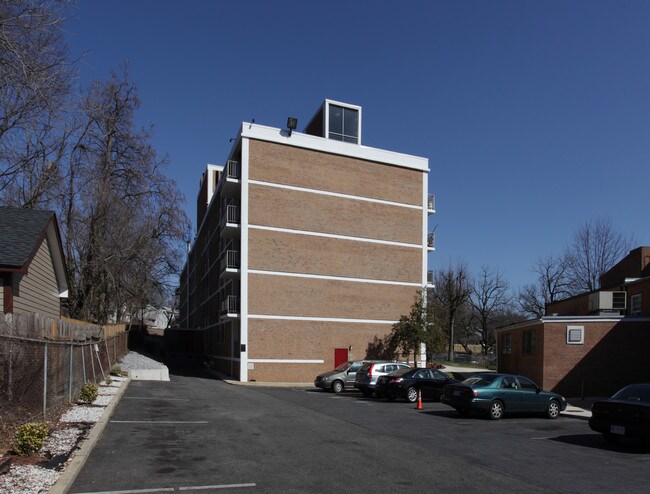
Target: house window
x=635 y=305
x=343 y=124
x=528 y=342
x=575 y=335
x=506 y=344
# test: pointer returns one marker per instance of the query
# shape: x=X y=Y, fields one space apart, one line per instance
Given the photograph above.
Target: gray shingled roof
x=20 y=231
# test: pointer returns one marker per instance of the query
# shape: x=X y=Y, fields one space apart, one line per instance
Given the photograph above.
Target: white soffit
x=280 y=136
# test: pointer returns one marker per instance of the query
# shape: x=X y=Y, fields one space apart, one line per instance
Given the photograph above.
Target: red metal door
x=340 y=356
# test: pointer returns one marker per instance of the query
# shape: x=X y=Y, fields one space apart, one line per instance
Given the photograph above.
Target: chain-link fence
x=44 y=363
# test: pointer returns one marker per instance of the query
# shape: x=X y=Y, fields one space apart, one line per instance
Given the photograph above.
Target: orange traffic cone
x=419 y=407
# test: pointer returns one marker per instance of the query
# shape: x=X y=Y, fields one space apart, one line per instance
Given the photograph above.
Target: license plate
x=456 y=392
x=617 y=429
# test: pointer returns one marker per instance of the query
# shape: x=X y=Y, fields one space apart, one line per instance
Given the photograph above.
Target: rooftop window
x=337 y=121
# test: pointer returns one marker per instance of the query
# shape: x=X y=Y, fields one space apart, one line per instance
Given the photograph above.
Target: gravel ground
x=136 y=361
x=82 y=414
x=28 y=479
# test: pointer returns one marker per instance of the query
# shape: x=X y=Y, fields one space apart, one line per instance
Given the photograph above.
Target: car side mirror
x=538 y=390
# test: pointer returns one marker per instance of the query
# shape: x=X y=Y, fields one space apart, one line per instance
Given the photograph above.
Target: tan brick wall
x=282 y=208
x=288 y=165
x=308 y=341
x=287 y=296
x=277 y=251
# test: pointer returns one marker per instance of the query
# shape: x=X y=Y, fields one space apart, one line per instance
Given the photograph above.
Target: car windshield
x=635 y=392
x=343 y=366
x=484 y=380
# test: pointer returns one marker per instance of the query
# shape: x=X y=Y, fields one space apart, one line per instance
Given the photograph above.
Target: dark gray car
x=340 y=378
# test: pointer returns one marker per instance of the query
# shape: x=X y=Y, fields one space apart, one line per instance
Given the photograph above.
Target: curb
x=78 y=459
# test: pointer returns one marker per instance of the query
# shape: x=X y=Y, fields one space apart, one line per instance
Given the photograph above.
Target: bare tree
x=595 y=248
x=122 y=218
x=489 y=297
x=552 y=284
x=453 y=288
x=35 y=78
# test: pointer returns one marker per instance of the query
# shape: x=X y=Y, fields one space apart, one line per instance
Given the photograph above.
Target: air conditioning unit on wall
x=607 y=301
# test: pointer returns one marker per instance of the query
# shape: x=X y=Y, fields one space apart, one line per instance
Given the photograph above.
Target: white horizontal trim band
x=334 y=194
x=320 y=319
x=334 y=235
x=334 y=278
x=284 y=361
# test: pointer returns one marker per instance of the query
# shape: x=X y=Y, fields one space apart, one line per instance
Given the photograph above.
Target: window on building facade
x=635 y=305
x=528 y=345
x=575 y=335
x=343 y=124
x=506 y=343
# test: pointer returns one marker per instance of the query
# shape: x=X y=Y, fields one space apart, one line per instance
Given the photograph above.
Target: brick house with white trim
x=591 y=344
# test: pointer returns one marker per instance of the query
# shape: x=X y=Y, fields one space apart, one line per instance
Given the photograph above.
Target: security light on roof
x=292 y=124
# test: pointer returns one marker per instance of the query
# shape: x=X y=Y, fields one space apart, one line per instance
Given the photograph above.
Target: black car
x=625 y=414
x=405 y=383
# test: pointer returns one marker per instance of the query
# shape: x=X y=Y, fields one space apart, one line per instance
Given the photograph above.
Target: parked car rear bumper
x=639 y=431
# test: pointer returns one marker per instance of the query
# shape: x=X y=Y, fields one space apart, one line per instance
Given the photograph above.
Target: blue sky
x=535 y=116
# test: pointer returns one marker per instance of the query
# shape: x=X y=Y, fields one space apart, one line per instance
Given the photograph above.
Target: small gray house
x=33 y=277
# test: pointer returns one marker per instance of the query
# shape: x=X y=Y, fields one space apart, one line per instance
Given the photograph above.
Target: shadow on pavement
x=596 y=441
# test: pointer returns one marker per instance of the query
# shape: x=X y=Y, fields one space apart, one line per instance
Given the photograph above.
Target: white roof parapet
x=298 y=139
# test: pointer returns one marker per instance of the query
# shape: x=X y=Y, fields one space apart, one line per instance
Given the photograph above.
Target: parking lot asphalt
x=577 y=408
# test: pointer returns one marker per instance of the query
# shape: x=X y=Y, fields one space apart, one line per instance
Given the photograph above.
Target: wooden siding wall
x=37 y=291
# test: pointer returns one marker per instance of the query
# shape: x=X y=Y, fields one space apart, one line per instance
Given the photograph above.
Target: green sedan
x=497 y=394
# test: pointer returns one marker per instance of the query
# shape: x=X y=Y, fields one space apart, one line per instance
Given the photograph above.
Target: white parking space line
x=156 y=399
x=159 y=421
x=221 y=486
x=136 y=491
x=179 y=489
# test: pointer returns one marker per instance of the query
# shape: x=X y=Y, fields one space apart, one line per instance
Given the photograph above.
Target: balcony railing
x=431 y=203
x=431 y=241
x=232 y=169
x=230 y=260
x=230 y=305
x=232 y=214
x=229 y=224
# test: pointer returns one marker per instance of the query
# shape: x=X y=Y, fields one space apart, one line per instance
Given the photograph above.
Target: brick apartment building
x=591 y=344
x=309 y=245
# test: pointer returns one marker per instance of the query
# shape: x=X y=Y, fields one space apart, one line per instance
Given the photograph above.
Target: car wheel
x=553 y=410
x=611 y=438
x=495 y=412
x=366 y=392
x=412 y=394
x=337 y=386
